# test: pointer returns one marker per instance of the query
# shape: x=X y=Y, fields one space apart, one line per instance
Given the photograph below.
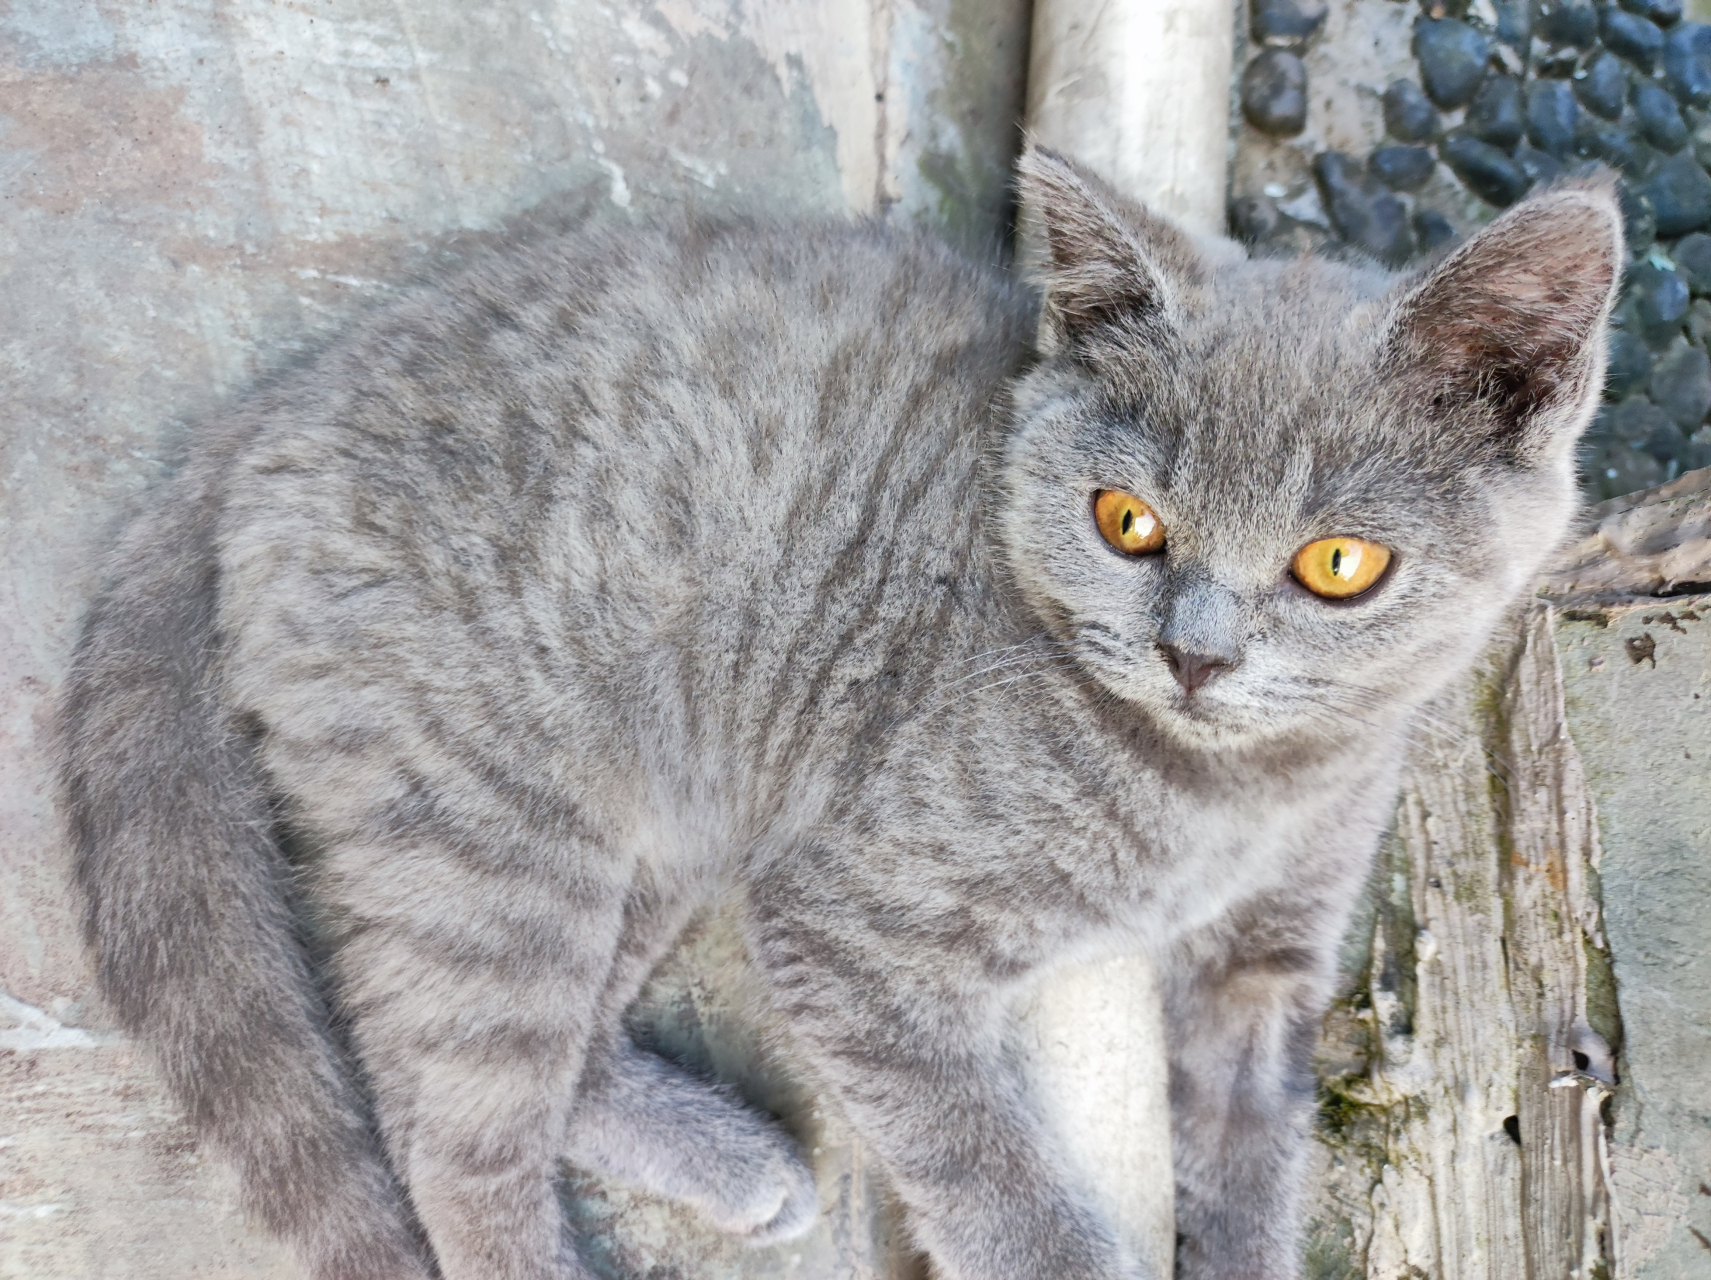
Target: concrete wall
x=193 y=192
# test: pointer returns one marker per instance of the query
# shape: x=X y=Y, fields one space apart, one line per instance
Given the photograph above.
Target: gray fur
x=638 y=567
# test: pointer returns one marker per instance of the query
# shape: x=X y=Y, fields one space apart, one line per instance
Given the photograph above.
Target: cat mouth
x=1197 y=708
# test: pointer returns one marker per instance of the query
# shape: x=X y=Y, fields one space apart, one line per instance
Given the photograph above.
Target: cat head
x=1258 y=500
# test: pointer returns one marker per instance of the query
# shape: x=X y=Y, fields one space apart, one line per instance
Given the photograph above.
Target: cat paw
x=767 y=1194
x=653 y=1125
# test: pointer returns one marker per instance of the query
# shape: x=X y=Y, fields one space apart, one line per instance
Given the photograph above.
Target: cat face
x=1251 y=410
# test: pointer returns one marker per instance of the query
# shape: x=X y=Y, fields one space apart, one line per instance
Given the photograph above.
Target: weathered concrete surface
x=193 y=192
x=1635 y=651
x=1637 y=680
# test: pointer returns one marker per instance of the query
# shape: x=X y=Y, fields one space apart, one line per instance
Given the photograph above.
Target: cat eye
x=1127 y=523
x=1340 y=568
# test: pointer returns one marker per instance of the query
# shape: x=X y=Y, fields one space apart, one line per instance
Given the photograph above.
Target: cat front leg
x=1242 y=1006
x=915 y=1043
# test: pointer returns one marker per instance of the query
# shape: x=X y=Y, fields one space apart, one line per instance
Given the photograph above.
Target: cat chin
x=1205 y=730
x=1206 y=725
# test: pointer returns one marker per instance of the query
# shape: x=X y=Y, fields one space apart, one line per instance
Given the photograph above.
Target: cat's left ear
x=1112 y=271
x=1505 y=337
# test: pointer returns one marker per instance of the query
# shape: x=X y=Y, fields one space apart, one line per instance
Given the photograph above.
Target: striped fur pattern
x=637 y=567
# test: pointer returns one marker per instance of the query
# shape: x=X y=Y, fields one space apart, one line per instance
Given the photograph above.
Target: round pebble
x=1660 y=298
x=1699 y=322
x=1636 y=420
x=1515 y=23
x=1286 y=21
x=1487 y=171
x=1433 y=231
x=1667 y=443
x=1687 y=63
x=1402 y=168
x=1497 y=113
x=1574 y=24
x=1553 y=116
x=1630 y=364
x=1613 y=467
x=1253 y=218
x=1408 y=115
x=1680 y=194
x=1376 y=223
x=1604 y=87
x=1274 y=93
x=1539 y=166
x=1692 y=256
x=1662 y=12
x=1698 y=134
x=1635 y=38
x=1639 y=223
x=1623 y=148
x=1659 y=118
x=1681 y=385
x=1452 y=59
x=1389 y=235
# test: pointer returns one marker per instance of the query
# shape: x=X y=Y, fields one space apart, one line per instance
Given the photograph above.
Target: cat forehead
x=1305 y=327
x=1278 y=381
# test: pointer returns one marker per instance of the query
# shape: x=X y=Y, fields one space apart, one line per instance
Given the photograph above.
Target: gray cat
x=638 y=567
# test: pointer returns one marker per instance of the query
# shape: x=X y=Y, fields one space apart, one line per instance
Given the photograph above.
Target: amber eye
x=1127 y=523
x=1339 y=568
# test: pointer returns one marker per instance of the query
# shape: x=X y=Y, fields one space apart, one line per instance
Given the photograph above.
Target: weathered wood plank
x=1489 y=1110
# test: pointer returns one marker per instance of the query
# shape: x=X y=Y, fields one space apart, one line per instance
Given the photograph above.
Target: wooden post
x=1139 y=91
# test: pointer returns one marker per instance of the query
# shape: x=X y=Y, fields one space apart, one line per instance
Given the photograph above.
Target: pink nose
x=1192 y=670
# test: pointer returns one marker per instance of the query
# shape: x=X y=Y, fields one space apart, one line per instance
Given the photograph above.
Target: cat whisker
x=1421 y=725
x=966 y=686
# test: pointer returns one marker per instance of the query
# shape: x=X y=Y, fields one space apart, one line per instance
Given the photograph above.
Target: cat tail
x=186 y=904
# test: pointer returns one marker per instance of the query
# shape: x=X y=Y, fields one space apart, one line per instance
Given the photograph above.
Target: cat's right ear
x=1111 y=271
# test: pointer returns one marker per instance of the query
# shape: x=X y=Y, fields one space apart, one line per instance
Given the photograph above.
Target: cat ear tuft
x=1511 y=325
x=1110 y=268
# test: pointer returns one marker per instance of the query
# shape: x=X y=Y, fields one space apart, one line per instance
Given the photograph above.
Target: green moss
x=1345 y=1120
x=1330 y=1252
x=1603 y=1014
x=1396 y=968
x=1337 y=1112
x=966 y=212
x=974 y=113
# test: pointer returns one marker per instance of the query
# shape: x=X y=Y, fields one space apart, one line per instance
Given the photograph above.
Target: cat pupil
x=1336 y=561
x=1128 y=521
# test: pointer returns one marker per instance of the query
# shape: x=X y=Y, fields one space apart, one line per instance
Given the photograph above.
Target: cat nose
x=1193 y=670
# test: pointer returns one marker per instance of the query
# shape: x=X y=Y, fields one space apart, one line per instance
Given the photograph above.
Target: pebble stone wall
x=1396 y=127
